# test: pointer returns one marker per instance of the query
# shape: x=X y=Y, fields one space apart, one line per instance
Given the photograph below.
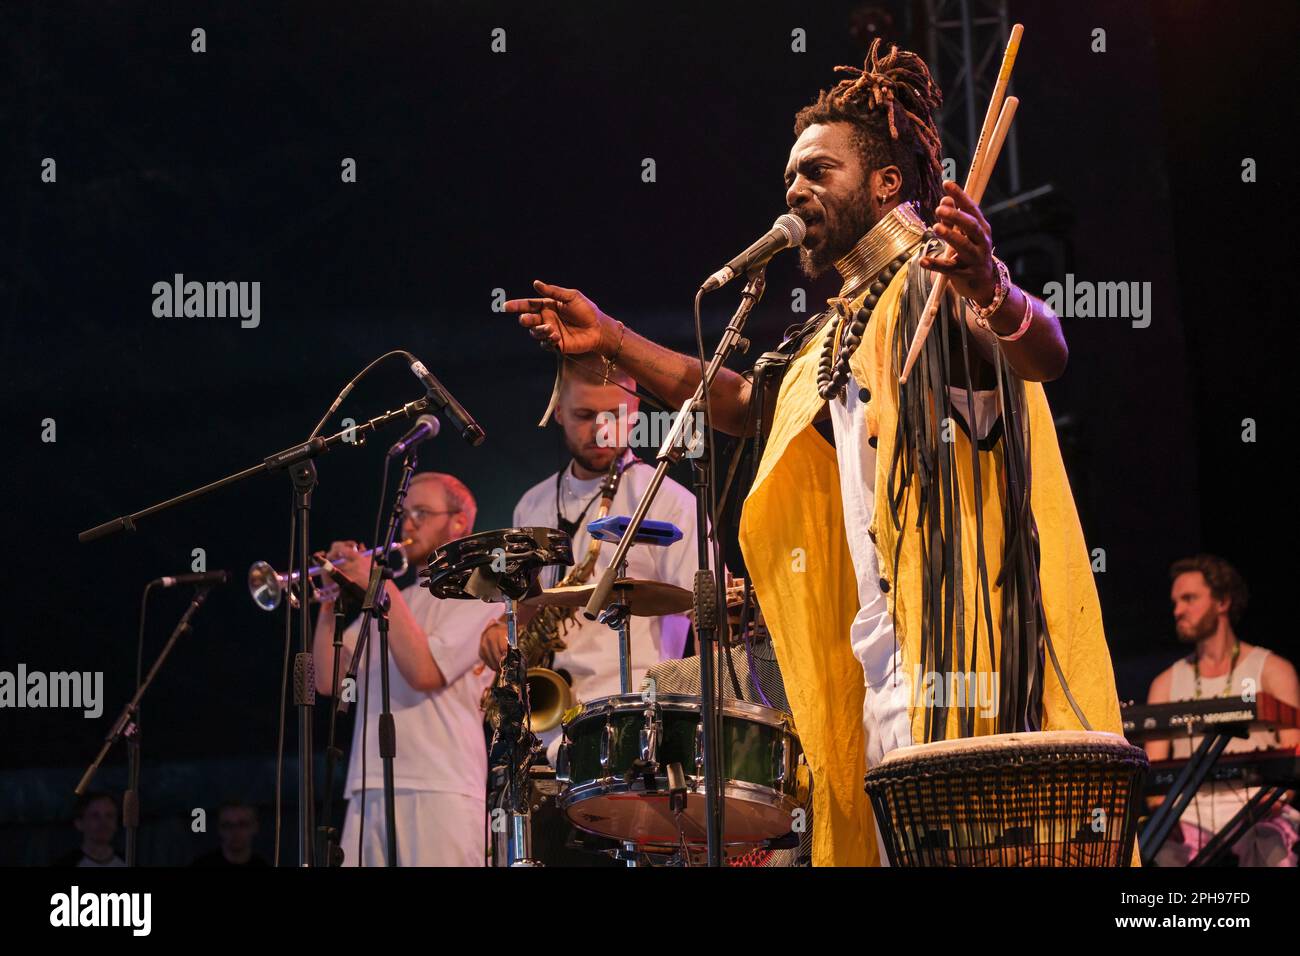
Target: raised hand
x=968 y=261
x=561 y=318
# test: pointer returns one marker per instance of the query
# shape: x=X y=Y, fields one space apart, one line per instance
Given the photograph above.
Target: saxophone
x=548 y=691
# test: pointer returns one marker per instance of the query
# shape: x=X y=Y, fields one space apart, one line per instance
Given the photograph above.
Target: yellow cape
x=796 y=551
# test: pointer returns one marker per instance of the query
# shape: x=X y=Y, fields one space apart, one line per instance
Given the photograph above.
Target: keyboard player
x=1209 y=598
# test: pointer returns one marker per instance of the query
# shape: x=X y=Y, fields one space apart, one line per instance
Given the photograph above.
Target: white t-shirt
x=591 y=654
x=872 y=633
x=1217 y=802
x=440 y=743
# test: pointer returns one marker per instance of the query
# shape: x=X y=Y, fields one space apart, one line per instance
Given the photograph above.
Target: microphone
x=444 y=402
x=426 y=427
x=788 y=230
x=206 y=577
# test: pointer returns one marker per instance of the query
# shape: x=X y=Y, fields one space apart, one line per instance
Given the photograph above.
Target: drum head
x=991 y=742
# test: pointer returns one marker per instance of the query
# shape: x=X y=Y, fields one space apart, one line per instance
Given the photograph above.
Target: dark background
x=479 y=171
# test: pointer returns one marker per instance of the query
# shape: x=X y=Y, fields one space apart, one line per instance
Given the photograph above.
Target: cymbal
x=645 y=598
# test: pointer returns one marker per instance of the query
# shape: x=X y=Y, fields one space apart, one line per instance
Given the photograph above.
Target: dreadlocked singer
x=895 y=532
x=941 y=521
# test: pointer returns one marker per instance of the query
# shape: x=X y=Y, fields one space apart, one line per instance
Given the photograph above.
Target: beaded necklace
x=1227 y=685
x=871 y=264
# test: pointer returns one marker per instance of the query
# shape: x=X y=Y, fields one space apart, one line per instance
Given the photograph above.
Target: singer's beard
x=842 y=231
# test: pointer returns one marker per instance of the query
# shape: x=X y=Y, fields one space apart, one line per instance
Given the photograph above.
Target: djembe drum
x=1048 y=798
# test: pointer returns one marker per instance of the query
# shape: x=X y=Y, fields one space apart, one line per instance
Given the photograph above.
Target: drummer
x=593 y=395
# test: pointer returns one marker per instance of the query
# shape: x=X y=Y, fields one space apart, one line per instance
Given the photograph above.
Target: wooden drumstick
x=976 y=192
x=980 y=162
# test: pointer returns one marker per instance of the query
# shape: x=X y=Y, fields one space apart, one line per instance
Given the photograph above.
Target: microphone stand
x=302 y=473
x=329 y=851
x=125 y=726
x=299 y=461
x=522 y=743
x=706 y=585
x=355 y=436
x=376 y=604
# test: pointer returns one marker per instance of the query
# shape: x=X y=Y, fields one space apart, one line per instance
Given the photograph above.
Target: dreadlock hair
x=890 y=104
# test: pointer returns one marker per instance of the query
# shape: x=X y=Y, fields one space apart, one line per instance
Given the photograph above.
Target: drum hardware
x=650 y=733
x=785 y=758
x=617 y=615
x=736 y=625
x=677 y=797
x=646 y=765
x=267 y=586
x=562 y=766
x=553 y=841
x=606 y=750
x=676 y=788
x=521 y=842
x=495 y=566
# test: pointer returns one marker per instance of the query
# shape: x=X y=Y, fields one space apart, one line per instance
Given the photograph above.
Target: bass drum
x=611 y=742
x=555 y=841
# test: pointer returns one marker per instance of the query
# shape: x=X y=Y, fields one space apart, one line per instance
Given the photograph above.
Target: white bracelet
x=1024 y=323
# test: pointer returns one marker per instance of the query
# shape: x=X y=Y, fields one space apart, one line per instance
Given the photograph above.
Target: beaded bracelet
x=1000 y=291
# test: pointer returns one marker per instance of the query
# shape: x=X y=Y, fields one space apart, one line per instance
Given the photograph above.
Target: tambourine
x=496 y=565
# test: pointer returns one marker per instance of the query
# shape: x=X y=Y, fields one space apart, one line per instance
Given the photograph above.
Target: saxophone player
x=589 y=399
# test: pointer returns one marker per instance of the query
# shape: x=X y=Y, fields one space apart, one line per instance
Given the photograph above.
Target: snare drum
x=1049 y=798
x=611 y=740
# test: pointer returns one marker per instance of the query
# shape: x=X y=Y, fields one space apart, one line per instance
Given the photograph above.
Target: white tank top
x=1217 y=802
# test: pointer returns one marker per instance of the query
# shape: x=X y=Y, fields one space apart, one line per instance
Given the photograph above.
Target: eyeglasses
x=417 y=516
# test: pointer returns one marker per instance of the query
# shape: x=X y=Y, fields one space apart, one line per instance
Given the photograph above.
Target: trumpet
x=267 y=586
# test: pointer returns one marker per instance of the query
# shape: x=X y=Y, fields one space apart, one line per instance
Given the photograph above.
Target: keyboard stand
x=1222 y=842
x=1180 y=795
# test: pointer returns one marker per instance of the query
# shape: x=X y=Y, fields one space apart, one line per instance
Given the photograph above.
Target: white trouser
x=1271 y=842
x=884 y=713
x=433 y=829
